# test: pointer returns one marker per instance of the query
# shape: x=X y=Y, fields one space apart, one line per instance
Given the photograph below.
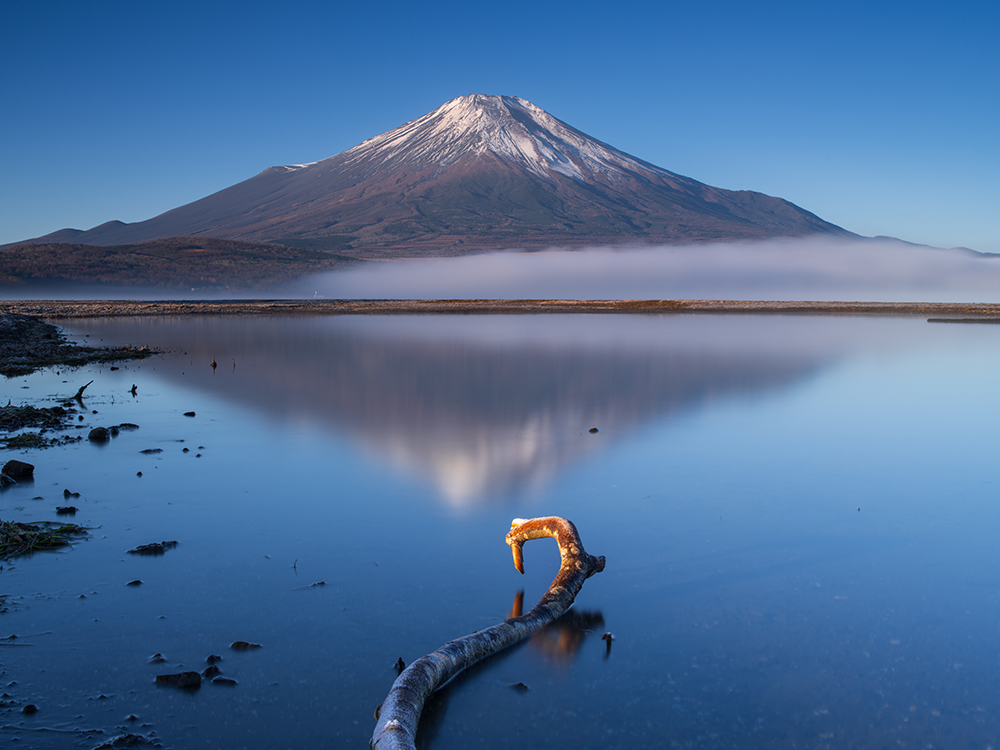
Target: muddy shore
x=27 y=343
x=57 y=309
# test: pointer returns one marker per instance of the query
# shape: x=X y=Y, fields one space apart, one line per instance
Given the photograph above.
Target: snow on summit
x=510 y=128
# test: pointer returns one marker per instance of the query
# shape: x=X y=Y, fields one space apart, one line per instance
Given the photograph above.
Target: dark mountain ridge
x=172 y=263
x=478 y=173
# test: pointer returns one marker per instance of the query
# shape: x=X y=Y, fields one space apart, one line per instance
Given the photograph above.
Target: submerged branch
x=398 y=716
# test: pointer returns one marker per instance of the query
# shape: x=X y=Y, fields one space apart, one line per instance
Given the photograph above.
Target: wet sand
x=59 y=309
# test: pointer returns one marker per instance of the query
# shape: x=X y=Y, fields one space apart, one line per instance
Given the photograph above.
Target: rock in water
x=99 y=435
x=18 y=469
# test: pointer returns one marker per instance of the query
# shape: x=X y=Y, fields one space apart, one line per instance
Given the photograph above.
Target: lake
x=799 y=516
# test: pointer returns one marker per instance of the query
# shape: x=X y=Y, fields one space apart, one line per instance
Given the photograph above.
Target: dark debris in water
x=243 y=646
x=154 y=548
x=44 y=419
x=37 y=440
x=18 y=417
x=18 y=539
x=127 y=740
x=184 y=680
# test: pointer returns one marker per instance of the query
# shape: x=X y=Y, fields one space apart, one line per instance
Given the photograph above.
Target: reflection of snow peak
x=466 y=466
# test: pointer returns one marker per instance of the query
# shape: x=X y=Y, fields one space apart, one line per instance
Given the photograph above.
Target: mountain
x=480 y=172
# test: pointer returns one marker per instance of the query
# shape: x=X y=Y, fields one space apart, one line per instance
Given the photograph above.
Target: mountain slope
x=479 y=172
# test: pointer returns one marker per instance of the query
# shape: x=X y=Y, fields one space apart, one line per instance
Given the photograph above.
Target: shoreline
x=65 y=309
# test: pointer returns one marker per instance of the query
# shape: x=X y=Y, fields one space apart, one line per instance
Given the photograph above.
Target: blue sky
x=881 y=117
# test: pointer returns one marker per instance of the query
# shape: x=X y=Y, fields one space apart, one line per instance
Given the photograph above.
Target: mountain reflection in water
x=482 y=406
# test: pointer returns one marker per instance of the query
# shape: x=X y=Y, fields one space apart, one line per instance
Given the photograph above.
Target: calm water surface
x=799 y=517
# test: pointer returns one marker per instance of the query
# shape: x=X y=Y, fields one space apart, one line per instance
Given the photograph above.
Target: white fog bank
x=873 y=270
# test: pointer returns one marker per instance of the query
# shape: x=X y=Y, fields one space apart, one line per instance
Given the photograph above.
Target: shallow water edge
x=112 y=308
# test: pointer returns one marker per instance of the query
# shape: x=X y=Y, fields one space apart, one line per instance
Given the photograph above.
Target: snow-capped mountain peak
x=506 y=127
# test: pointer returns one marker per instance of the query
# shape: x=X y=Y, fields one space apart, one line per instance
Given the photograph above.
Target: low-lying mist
x=881 y=270
x=871 y=270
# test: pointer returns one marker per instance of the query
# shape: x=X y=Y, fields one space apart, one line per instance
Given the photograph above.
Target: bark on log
x=398 y=716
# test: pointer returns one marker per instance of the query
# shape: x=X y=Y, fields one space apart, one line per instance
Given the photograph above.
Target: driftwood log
x=398 y=716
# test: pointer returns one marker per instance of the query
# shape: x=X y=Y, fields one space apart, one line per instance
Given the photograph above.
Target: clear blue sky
x=883 y=117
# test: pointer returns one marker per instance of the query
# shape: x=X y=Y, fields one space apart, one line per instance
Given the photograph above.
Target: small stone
x=189 y=414
x=30 y=709
x=156 y=658
x=138 y=473
x=66 y=510
x=594 y=429
x=136 y=582
x=99 y=435
x=520 y=687
x=225 y=681
x=212 y=659
x=128 y=426
x=151 y=451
